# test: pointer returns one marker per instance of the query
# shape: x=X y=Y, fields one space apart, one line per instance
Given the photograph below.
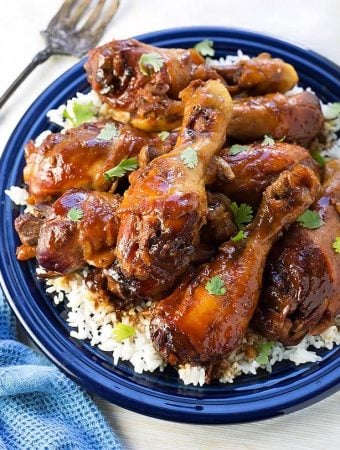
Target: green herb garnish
x=242 y=214
x=310 y=219
x=333 y=111
x=82 y=113
x=108 y=132
x=150 y=63
x=264 y=350
x=205 y=48
x=237 y=148
x=189 y=157
x=66 y=115
x=320 y=159
x=268 y=140
x=239 y=236
x=126 y=165
x=163 y=135
x=122 y=331
x=75 y=214
x=336 y=244
x=215 y=286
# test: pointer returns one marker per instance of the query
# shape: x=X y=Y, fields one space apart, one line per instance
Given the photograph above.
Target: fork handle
x=39 y=58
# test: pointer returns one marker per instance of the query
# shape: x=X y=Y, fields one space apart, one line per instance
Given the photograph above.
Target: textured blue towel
x=40 y=408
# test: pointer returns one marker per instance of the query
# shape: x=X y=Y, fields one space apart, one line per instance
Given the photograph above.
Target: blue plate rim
x=163 y=405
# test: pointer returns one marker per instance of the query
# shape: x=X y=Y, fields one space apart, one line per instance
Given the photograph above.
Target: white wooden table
x=311 y=23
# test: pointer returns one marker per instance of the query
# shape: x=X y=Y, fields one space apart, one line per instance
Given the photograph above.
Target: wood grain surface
x=313 y=24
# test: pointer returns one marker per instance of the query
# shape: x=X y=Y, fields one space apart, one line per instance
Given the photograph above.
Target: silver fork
x=63 y=37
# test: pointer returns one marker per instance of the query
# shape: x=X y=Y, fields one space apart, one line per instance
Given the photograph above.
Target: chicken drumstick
x=165 y=206
x=208 y=315
x=302 y=276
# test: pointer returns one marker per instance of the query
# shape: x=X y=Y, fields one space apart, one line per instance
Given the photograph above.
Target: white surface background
x=311 y=23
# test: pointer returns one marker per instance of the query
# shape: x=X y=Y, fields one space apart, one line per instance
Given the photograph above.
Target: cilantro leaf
x=163 y=135
x=122 y=331
x=243 y=214
x=320 y=159
x=263 y=353
x=189 y=157
x=108 y=132
x=83 y=112
x=126 y=165
x=336 y=244
x=150 y=63
x=215 y=286
x=268 y=140
x=332 y=110
x=239 y=236
x=66 y=115
x=310 y=219
x=237 y=148
x=205 y=48
x=75 y=214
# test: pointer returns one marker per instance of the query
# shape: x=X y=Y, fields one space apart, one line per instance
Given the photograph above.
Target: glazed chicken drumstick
x=208 y=315
x=296 y=118
x=79 y=158
x=80 y=229
x=165 y=206
x=256 y=166
x=260 y=75
x=142 y=83
x=302 y=276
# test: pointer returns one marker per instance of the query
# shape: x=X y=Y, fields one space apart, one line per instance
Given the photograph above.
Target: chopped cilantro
x=108 y=132
x=237 y=148
x=242 y=214
x=336 y=244
x=163 y=135
x=215 y=286
x=150 y=63
x=239 y=236
x=268 y=140
x=205 y=48
x=320 y=159
x=263 y=353
x=126 y=165
x=122 y=331
x=82 y=113
x=66 y=115
x=189 y=157
x=310 y=219
x=75 y=214
x=332 y=110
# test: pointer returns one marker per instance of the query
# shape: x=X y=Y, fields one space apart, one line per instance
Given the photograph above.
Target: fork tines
x=73 y=11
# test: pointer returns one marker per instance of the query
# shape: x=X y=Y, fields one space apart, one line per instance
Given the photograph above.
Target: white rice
x=229 y=59
x=96 y=324
x=18 y=195
x=331 y=145
x=95 y=321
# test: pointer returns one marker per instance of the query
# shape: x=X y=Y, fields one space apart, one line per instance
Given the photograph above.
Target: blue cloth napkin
x=40 y=408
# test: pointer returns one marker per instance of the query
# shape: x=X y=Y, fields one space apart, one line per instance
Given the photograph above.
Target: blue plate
x=160 y=394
